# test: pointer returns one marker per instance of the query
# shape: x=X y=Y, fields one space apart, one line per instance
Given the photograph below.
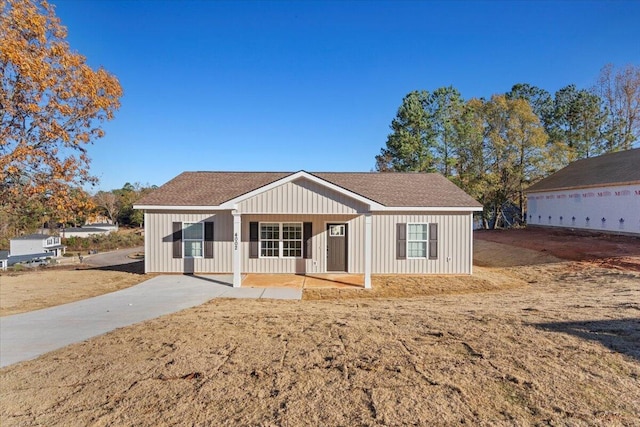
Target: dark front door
x=337 y=247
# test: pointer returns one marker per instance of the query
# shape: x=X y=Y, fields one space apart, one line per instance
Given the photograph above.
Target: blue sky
x=284 y=86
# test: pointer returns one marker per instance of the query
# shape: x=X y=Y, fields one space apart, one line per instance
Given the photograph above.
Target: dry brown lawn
x=32 y=290
x=532 y=340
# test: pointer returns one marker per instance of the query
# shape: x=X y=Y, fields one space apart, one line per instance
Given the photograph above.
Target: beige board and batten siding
x=455 y=249
x=158 y=229
x=317 y=262
x=301 y=196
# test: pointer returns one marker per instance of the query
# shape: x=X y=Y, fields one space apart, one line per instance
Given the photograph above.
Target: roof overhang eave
x=429 y=209
x=581 y=187
x=179 y=208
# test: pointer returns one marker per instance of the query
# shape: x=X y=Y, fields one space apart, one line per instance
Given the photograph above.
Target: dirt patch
x=34 y=290
x=605 y=250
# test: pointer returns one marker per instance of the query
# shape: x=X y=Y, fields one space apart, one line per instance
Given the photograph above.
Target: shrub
x=103 y=242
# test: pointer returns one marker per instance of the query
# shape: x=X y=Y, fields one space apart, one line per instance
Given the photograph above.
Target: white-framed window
x=292 y=240
x=417 y=240
x=269 y=240
x=281 y=240
x=193 y=238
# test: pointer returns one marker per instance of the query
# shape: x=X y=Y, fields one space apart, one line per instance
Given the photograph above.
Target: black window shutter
x=306 y=237
x=208 y=239
x=433 y=241
x=401 y=240
x=253 y=240
x=177 y=240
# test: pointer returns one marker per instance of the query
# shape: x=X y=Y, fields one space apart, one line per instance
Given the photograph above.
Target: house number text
x=235 y=241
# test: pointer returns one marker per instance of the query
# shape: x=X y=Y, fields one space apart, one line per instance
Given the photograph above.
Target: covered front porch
x=302 y=250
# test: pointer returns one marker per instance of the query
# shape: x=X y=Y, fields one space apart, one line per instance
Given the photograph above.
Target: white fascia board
x=229 y=204
x=428 y=209
x=179 y=208
x=583 y=187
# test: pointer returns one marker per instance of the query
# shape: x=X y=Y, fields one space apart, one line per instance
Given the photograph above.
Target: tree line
x=495 y=148
x=115 y=206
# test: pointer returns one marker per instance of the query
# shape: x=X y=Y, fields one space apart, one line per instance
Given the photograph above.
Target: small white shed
x=599 y=193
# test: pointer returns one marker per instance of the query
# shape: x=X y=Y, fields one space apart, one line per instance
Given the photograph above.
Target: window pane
x=192 y=231
x=269 y=231
x=291 y=231
x=269 y=248
x=417 y=249
x=193 y=249
x=417 y=231
x=292 y=248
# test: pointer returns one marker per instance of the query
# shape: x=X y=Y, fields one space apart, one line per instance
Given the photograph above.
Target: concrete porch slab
x=293 y=281
x=301 y=281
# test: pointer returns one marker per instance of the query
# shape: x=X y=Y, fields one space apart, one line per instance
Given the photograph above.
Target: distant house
x=88 y=230
x=36 y=244
x=599 y=193
x=4 y=260
x=302 y=222
x=107 y=226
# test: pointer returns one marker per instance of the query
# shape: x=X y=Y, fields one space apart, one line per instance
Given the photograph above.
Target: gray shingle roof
x=84 y=230
x=618 y=168
x=388 y=189
x=36 y=236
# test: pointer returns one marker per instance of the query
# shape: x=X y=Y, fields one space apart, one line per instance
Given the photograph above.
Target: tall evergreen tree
x=578 y=122
x=444 y=110
x=409 y=146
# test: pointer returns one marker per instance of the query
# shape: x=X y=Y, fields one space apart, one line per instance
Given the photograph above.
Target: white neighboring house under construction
x=599 y=194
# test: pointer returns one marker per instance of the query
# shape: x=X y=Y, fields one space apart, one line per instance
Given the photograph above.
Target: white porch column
x=237 y=249
x=367 y=251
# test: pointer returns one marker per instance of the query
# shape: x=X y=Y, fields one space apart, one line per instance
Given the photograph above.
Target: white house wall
x=159 y=246
x=32 y=246
x=25 y=247
x=455 y=244
x=301 y=197
x=571 y=208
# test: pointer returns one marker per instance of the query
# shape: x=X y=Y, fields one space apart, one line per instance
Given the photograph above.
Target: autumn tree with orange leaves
x=52 y=105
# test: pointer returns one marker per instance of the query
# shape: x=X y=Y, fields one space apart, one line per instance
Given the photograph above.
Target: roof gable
x=618 y=168
x=303 y=196
x=296 y=176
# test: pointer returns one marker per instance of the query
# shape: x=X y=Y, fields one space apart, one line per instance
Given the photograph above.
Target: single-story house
x=83 y=231
x=35 y=244
x=107 y=226
x=302 y=222
x=598 y=193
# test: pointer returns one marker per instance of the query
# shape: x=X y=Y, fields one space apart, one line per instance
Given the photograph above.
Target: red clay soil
x=606 y=250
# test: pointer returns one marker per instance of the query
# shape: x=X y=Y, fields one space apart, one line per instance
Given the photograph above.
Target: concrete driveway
x=26 y=336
